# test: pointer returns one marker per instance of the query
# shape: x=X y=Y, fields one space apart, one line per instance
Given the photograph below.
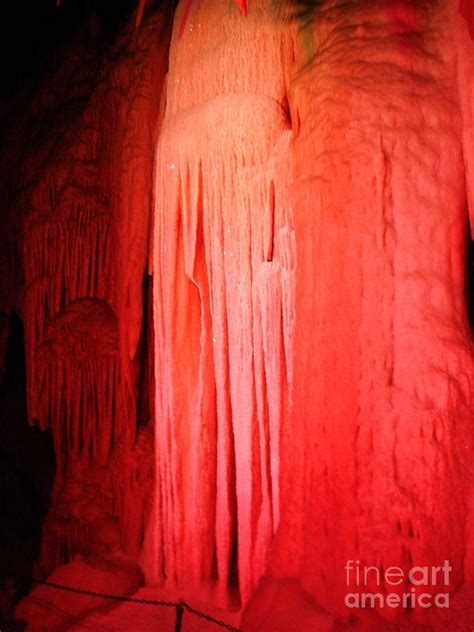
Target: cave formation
x=236 y=314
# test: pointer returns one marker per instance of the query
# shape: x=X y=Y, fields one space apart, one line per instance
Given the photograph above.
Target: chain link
x=145 y=602
x=208 y=617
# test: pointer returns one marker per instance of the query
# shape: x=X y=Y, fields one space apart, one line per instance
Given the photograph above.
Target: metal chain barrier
x=180 y=606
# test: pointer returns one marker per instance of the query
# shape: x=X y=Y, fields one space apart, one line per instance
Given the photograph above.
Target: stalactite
x=140 y=11
x=222 y=332
x=60 y=260
x=78 y=367
x=82 y=208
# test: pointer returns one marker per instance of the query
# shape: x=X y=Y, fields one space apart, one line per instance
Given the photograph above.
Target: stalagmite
x=80 y=347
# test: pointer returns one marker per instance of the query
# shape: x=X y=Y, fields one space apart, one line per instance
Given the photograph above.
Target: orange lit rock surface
x=223 y=296
x=382 y=407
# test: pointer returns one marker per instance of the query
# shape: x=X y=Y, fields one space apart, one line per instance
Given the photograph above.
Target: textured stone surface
x=382 y=411
x=223 y=296
x=79 y=157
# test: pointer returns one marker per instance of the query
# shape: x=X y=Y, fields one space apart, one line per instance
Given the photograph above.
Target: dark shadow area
x=145 y=403
x=33 y=33
x=33 y=30
x=470 y=277
x=26 y=476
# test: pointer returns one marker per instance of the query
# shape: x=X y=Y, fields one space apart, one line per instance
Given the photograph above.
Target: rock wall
x=382 y=408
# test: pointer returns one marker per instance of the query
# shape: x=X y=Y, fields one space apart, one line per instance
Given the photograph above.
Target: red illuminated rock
x=311 y=191
x=223 y=296
x=382 y=410
x=81 y=212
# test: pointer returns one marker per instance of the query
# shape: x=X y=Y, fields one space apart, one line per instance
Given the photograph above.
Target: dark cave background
x=33 y=32
x=26 y=477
